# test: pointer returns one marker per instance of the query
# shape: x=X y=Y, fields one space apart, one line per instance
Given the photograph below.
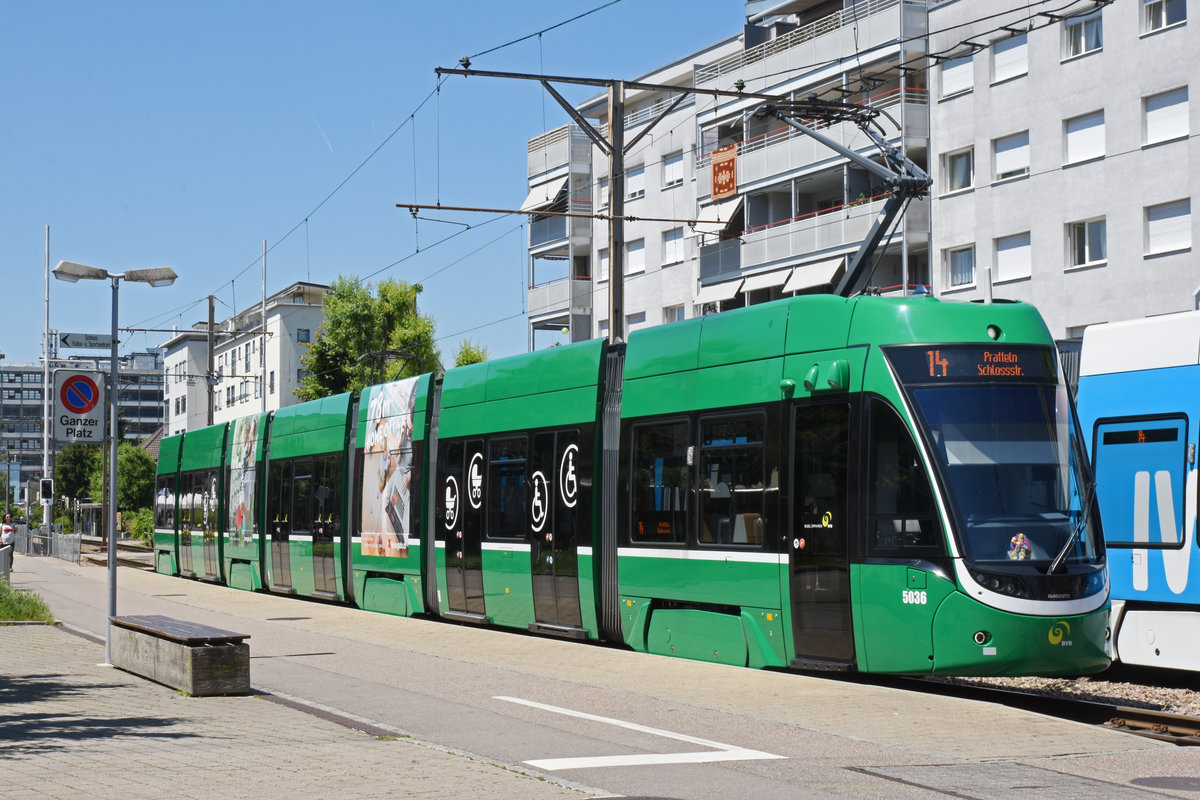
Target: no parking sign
x=78 y=407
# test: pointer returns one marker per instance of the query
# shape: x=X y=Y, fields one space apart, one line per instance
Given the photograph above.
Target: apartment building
x=250 y=373
x=1065 y=157
x=795 y=209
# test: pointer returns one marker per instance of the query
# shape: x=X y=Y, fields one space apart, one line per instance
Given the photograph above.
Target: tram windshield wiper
x=1059 y=560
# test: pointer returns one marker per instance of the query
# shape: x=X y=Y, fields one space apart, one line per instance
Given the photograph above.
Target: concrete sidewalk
x=72 y=728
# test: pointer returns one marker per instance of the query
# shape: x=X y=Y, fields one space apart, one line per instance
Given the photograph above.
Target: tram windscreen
x=1009 y=458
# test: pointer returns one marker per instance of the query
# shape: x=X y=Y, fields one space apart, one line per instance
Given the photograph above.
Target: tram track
x=1179 y=729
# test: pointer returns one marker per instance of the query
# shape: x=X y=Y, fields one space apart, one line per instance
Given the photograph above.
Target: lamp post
x=156 y=276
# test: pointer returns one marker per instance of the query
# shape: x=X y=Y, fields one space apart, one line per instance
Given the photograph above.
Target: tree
x=470 y=353
x=135 y=478
x=368 y=337
x=71 y=469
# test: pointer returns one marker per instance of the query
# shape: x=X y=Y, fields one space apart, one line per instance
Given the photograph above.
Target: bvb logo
x=1057 y=631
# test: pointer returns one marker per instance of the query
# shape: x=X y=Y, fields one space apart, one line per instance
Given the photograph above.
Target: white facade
x=185 y=390
x=1065 y=158
x=249 y=375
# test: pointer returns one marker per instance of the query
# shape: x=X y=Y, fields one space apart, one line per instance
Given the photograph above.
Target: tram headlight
x=982 y=637
x=1011 y=585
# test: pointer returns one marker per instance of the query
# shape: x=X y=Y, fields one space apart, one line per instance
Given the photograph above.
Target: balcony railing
x=784 y=133
x=806 y=33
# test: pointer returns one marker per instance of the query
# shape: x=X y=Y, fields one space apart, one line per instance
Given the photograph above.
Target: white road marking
x=719 y=752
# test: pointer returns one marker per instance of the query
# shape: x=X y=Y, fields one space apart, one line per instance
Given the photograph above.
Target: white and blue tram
x=1139 y=406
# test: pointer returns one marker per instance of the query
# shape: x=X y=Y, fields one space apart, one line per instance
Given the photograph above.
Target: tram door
x=820 y=569
x=461 y=511
x=554 y=506
x=326 y=513
x=279 y=516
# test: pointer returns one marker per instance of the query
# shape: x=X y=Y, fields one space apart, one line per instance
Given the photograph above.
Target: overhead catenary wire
x=1051 y=15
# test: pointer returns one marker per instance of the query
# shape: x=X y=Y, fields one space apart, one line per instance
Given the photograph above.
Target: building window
x=602 y=265
x=1083 y=34
x=1012 y=156
x=960 y=170
x=602 y=193
x=635 y=257
x=1165 y=116
x=301 y=375
x=603 y=329
x=302 y=335
x=1162 y=13
x=957 y=75
x=1010 y=58
x=635 y=183
x=1084 y=137
x=1169 y=227
x=1087 y=242
x=673 y=170
x=635 y=321
x=271 y=383
x=1013 y=257
x=961 y=262
x=672 y=314
x=672 y=246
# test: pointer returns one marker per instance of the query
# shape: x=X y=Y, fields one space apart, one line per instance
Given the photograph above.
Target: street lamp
x=155 y=276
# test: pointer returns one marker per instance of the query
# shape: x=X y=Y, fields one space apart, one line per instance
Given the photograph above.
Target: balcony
x=865 y=25
x=838 y=229
x=558 y=296
x=546 y=230
x=722 y=258
x=783 y=149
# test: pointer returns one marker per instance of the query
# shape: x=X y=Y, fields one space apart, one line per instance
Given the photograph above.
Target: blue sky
x=186 y=133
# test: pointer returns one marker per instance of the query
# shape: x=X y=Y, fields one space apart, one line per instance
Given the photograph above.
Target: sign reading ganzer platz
x=78 y=407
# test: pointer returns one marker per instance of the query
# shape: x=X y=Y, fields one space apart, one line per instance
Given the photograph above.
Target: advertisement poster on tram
x=242 y=479
x=388 y=469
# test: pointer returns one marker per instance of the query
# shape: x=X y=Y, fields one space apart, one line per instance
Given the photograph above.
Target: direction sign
x=86 y=340
x=78 y=407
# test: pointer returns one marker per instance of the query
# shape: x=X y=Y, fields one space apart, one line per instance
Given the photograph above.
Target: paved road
x=365 y=705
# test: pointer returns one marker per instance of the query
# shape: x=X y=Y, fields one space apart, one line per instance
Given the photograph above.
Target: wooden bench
x=198 y=660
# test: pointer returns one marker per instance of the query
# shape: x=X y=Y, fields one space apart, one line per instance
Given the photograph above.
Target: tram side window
x=731 y=481
x=506 y=488
x=196 y=507
x=326 y=495
x=302 y=495
x=211 y=499
x=661 y=483
x=279 y=496
x=902 y=518
x=164 y=502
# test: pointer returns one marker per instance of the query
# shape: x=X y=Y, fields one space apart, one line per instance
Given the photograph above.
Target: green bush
x=141 y=526
x=23 y=606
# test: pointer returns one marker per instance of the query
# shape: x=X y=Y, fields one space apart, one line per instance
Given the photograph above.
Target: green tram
x=866 y=484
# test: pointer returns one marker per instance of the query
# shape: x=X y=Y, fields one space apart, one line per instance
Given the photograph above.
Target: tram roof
x=1170 y=340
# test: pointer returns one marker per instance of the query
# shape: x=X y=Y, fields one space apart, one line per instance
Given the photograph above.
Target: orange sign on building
x=724 y=172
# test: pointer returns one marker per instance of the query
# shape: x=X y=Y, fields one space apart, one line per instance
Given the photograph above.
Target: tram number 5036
x=913 y=597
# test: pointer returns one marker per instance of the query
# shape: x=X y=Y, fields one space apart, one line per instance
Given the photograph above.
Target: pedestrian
x=7 y=539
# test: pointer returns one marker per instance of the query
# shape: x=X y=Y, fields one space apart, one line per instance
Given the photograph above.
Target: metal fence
x=37 y=542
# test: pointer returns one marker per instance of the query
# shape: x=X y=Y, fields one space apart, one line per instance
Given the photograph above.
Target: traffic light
x=47 y=488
